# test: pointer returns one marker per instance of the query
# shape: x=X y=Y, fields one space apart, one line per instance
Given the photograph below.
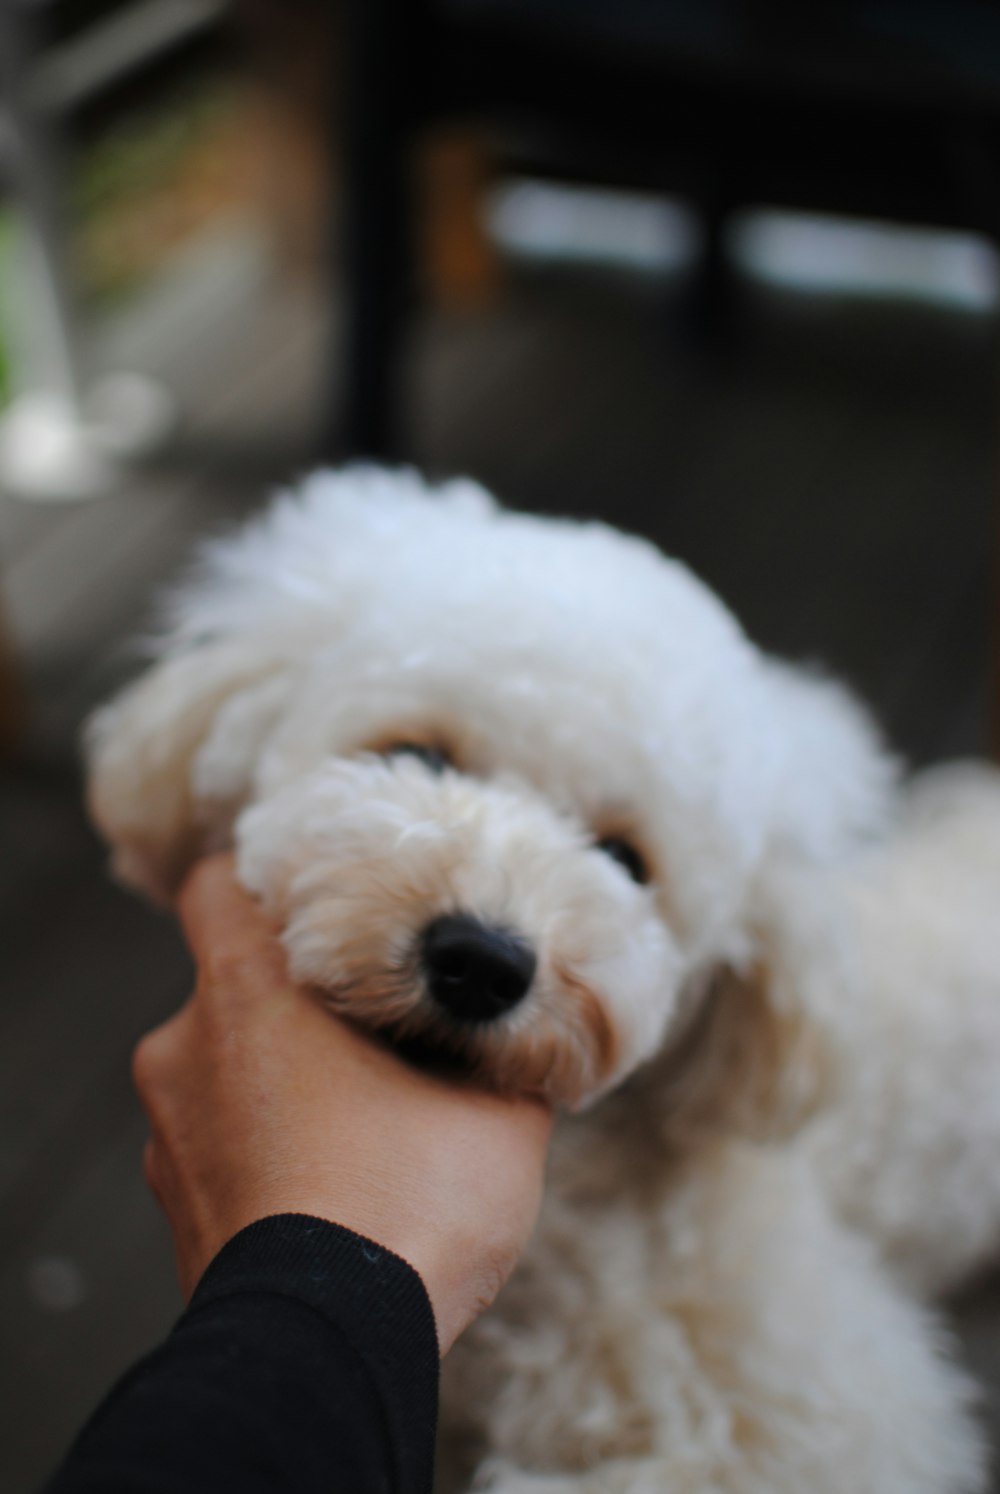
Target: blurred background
x=716 y=272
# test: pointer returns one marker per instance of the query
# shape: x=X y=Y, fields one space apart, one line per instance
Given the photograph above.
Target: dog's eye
x=627 y=856
x=433 y=758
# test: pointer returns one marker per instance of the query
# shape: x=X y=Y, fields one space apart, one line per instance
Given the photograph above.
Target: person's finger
x=155 y=1056
x=151 y=1170
x=226 y=929
x=147 y=1063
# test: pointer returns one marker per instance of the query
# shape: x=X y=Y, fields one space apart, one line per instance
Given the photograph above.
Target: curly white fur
x=793 y=1031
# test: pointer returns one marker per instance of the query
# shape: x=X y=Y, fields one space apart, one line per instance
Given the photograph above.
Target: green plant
x=6 y=235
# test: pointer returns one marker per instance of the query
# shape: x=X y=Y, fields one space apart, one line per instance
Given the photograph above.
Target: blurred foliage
x=6 y=236
x=147 y=186
x=144 y=188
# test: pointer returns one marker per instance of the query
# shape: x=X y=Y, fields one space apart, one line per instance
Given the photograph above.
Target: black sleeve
x=307 y=1361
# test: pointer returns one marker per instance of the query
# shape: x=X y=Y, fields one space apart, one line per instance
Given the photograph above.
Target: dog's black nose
x=475 y=972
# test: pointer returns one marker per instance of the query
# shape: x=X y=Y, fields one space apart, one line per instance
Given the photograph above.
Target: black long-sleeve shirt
x=307 y=1361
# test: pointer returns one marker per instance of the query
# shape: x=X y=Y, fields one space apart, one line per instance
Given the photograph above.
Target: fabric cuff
x=370 y=1295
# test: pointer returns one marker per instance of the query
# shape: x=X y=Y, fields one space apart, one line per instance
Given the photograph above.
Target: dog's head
x=512 y=787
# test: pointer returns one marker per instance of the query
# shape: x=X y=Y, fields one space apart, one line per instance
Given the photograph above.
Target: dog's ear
x=763 y=1047
x=835 y=784
x=744 y=1063
x=171 y=756
x=760 y=1050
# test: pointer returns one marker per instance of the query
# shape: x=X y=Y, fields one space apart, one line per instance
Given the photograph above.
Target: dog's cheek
x=631 y=999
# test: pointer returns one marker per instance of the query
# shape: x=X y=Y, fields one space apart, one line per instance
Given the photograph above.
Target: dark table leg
x=377 y=231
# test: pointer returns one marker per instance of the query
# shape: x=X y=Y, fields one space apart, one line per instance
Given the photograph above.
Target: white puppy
x=522 y=793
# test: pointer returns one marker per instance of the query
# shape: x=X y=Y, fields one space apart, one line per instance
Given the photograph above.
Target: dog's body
x=705 y=904
x=697 y=1317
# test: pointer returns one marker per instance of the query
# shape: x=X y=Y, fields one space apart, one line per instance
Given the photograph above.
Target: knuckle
x=149 y=1163
x=151 y=1169
x=148 y=1061
x=142 y=1062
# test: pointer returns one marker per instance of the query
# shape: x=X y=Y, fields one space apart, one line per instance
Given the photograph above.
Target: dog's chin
x=556 y=1059
x=432 y=1053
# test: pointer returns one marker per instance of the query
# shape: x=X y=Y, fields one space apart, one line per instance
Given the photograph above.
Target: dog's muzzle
x=475 y=972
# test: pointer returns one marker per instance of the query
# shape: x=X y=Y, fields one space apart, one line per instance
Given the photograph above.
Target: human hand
x=261 y=1102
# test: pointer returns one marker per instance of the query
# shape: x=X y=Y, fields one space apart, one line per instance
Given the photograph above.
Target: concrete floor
x=832 y=476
